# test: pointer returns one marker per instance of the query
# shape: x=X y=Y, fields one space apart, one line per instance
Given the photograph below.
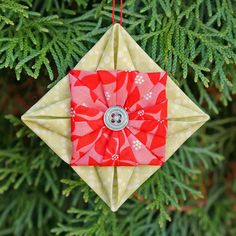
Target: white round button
x=116 y=118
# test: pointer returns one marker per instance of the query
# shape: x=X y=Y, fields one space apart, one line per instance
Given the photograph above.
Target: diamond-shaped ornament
x=49 y=118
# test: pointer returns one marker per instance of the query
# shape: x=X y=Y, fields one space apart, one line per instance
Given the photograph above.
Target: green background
x=194 y=193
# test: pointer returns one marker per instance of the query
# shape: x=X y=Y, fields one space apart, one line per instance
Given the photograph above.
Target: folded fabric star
x=118 y=118
x=50 y=117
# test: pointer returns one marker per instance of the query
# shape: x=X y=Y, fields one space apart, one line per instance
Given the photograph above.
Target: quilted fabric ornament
x=50 y=117
x=118 y=118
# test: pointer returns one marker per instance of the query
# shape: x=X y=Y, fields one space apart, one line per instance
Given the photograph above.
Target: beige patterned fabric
x=49 y=118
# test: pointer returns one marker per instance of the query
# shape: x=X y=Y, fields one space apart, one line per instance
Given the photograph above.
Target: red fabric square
x=103 y=137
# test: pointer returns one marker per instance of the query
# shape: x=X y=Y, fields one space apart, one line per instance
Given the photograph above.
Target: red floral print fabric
x=142 y=95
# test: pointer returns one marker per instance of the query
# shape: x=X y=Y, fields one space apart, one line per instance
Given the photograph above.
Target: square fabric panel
x=118 y=118
x=50 y=117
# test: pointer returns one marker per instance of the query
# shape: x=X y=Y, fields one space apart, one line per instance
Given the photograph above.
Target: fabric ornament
x=115 y=118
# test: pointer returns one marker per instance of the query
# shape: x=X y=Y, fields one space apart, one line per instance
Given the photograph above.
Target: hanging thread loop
x=113 y=11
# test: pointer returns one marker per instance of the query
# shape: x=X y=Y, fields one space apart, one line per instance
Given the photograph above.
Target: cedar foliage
x=194 y=193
